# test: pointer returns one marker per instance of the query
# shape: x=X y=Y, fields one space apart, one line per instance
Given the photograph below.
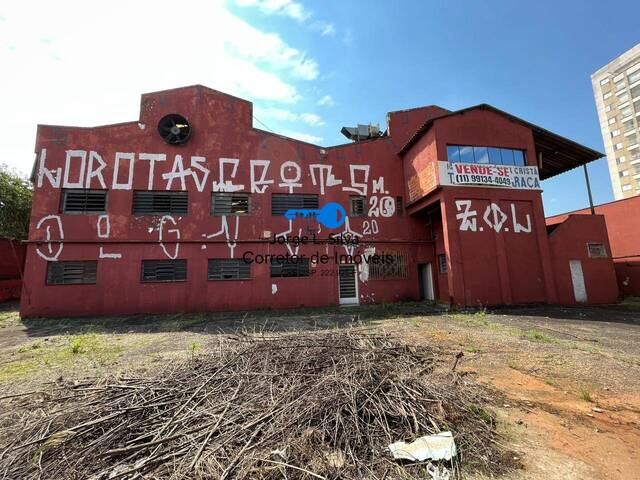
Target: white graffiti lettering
x=97 y=173
x=260 y=185
x=176 y=231
x=116 y=170
x=497 y=222
x=43 y=171
x=325 y=176
x=467 y=216
x=227 y=185
x=293 y=181
x=51 y=256
x=178 y=171
x=71 y=154
x=152 y=158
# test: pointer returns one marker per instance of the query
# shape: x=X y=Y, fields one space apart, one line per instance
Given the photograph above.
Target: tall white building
x=616 y=88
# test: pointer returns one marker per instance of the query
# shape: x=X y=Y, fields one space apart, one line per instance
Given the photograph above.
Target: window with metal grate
x=399 y=206
x=596 y=250
x=391 y=265
x=84 y=201
x=291 y=268
x=72 y=272
x=281 y=202
x=229 y=269
x=357 y=205
x=230 y=204
x=442 y=263
x=148 y=202
x=163 y=271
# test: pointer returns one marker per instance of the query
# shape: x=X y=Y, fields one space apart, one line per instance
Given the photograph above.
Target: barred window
x=148 y=202
x=72 y=273
x=281 y=202
x=230 y=204
x=442 y=263
x=84 y=201
x=291 y=268
x=229 y=269
x=390 y=265
x=399 y=206
x=164 y=271
x=596 y=250
x=358 y=205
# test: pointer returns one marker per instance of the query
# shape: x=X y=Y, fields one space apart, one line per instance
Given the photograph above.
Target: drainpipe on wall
x=586 y=177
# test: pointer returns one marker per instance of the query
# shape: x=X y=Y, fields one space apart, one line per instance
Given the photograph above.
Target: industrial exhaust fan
x=174 y=129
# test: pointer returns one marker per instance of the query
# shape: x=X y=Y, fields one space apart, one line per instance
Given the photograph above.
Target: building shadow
x=309 y=319
x=299 y=319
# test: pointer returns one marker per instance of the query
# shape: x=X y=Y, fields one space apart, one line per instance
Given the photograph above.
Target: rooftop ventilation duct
x=362 y=132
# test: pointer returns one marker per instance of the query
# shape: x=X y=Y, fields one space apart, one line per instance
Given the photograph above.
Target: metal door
x=425 y=279
x=348 y=285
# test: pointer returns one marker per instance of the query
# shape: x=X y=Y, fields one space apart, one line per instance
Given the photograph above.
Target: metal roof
x=559 y=154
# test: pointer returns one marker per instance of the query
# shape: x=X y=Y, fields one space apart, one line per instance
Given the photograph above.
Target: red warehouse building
x=623 y=224
x=190 y=208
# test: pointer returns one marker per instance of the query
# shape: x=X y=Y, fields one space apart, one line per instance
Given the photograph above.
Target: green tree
x=15 y=204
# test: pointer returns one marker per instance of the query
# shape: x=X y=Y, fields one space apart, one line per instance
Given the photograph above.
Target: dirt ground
x=570 y=376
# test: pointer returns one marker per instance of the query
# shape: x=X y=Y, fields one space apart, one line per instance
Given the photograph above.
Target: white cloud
x=283 y=115
x=269 y=49
x=325 y=29
x=287 y=8
x=329 y=29
x=275 y=113
x=347 y=39
x=68 y=68
x=326 y=101
x=312 y=119
x=305 y=137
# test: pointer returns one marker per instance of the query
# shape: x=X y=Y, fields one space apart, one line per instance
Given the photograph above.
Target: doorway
x=347 y=285
x=425 y=281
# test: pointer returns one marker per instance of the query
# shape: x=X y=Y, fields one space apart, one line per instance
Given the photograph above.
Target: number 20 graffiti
x=493 y=217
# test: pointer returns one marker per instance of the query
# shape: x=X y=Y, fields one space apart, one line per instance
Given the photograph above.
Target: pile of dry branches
x=305 y=405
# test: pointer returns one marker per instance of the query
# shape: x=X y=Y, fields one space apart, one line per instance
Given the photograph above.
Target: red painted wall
x=568 y=241
x=12 y=255
x=490 y=264
x=622 y=218
x=222 y=129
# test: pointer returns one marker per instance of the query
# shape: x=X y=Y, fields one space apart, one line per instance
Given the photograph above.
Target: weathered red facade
x=623 y=228
x=465 y=245
x=12 y=255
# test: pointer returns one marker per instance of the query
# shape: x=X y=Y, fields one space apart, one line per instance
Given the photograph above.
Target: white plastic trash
x=434 y=447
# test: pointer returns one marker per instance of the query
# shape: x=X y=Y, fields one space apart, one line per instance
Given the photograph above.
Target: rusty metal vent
x=174 y=129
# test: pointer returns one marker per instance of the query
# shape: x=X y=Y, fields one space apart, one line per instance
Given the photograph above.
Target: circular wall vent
x=174 y=129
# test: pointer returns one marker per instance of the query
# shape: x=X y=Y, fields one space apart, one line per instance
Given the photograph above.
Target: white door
x=577 y=278
x=426 y=282
x=348 y=285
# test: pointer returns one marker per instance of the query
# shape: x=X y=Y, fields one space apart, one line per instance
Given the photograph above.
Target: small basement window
x=72 y=272
x=597 y=250
x=229 y=269
x=230 y=204
x=84 y=201
x=291 y=268
x=281 y=202
x=358 y=205
x=148 y=202
x=164 y=271
x=442 y=263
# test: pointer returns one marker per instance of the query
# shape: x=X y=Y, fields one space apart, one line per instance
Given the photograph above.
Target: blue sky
x=311 y=67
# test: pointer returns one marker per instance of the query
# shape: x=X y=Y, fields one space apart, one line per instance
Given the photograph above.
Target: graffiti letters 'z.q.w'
x=493 y=217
